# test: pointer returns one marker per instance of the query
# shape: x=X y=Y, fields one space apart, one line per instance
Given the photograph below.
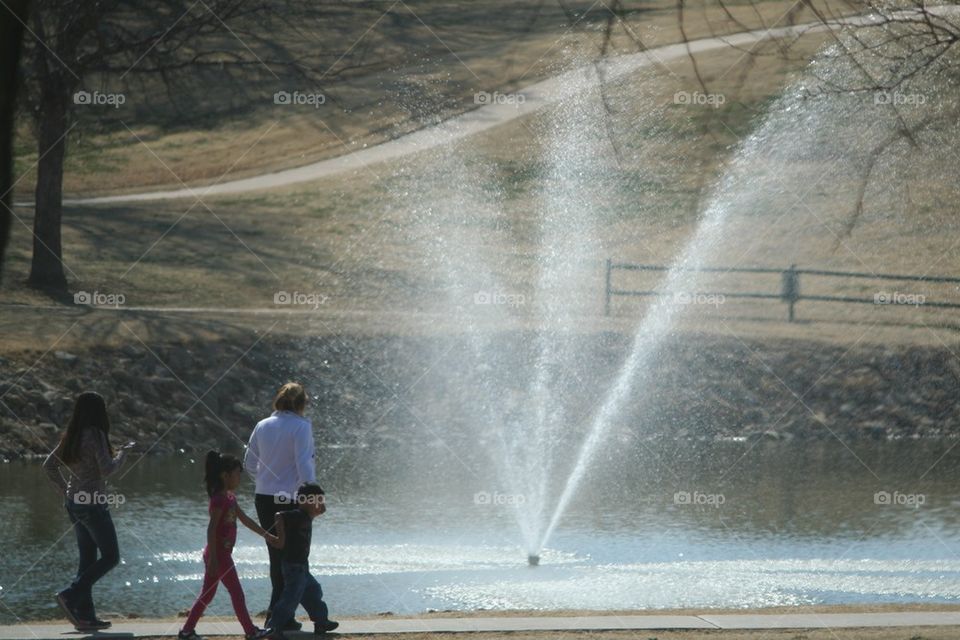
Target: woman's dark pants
x=267 y=508
x=95 y=532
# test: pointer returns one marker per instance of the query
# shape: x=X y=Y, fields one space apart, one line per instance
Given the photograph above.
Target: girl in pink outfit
x=222 y=477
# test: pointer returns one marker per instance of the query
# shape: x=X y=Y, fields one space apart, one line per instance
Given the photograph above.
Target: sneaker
x=293 y=625
x=275 y=634
x=188 y=635
x=97 y=623
x=319 y=628
x=259 y=634
x=63 y=599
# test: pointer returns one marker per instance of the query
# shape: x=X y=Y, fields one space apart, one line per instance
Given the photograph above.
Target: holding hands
x=249 y=523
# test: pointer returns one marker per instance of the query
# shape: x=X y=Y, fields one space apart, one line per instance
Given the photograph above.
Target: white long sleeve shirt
x=280 y=454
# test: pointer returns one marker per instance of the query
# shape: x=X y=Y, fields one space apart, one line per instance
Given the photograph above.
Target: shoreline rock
x=194 y=396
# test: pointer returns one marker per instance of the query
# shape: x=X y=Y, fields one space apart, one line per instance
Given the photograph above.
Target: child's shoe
x=320 y=628
x=259 y=634
x=188 y=635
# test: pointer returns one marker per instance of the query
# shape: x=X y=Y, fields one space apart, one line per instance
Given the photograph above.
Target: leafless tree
x=130 y=48
x=899 y=47
x=886 y=46
x=149 y=49
x=12 y=17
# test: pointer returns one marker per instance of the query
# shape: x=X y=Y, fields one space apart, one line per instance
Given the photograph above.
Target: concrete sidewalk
x=146 y=628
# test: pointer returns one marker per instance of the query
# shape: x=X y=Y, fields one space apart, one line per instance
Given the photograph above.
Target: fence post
x=606 y=307
x=790 y=291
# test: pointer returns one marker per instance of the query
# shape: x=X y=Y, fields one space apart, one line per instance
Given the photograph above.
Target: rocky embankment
x=147 y=395
x=168 y=397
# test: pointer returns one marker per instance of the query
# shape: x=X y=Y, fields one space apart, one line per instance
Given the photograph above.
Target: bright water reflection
x=799 y=524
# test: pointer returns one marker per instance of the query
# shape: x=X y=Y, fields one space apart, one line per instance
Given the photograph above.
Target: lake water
x=671 y=524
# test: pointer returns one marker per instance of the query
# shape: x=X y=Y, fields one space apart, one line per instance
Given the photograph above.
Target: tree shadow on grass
x=249 y=249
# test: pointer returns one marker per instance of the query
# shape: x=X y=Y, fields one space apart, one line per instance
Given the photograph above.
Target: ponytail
x=211 y=474
x=215 y=466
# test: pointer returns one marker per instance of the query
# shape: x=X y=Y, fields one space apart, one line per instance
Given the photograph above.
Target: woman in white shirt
x=280 y=457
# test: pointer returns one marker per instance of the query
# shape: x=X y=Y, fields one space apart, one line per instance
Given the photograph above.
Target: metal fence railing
x=789 y=292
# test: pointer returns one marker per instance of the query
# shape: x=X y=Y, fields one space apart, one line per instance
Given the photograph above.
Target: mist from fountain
x=749 y=212
x=789 y=193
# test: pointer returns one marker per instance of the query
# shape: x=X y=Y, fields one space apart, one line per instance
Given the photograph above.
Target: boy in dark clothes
x=294 y=531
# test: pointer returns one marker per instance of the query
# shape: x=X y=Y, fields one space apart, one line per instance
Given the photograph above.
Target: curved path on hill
x=537 y=96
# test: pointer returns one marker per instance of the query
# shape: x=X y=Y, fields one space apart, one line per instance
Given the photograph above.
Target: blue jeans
x=95 y=532
x=299 y=587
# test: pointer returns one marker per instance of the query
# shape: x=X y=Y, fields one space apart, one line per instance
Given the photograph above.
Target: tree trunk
x=46 y=270
x=11 y=32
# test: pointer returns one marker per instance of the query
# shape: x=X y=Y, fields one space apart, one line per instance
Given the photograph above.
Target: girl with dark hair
x=85 y=452
x=222 y=475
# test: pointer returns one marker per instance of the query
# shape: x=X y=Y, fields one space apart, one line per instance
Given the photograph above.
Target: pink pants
x=228 y=576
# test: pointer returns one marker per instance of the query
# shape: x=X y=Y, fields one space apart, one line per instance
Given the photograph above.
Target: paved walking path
x=536 y=96
x=147 y=628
